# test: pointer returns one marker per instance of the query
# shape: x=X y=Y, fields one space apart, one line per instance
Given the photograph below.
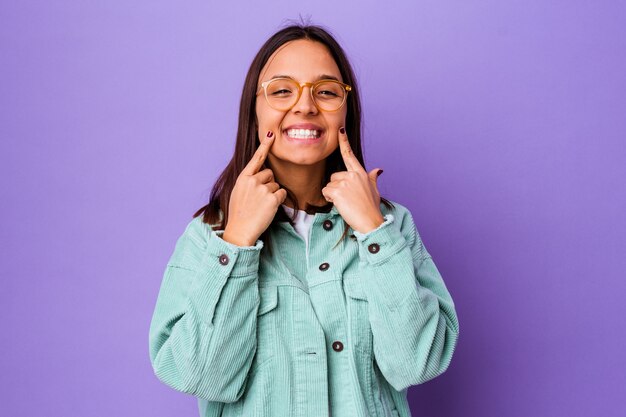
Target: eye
x=282 y=92
x=327 y=93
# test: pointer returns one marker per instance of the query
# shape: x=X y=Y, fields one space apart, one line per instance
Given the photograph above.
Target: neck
x=302 y=180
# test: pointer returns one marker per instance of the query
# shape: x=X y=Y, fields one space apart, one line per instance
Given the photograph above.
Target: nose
x=305 y=103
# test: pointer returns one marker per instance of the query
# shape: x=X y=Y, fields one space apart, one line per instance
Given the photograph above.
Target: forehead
x=301 y=59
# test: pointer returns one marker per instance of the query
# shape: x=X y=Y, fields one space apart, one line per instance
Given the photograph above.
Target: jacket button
x=324 y=266
x=337 y=346
x=373 y=248
x=328 y=225
x=224 y=259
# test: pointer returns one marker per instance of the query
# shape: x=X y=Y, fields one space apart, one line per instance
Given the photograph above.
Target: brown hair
x=247 y=137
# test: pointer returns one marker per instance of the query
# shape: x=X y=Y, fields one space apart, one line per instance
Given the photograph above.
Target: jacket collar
x=332 y=213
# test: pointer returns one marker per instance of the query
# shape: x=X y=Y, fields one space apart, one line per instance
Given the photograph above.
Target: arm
x=412 y=316
x=203 y=330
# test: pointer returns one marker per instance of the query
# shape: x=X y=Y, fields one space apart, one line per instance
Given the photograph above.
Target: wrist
x=237 y=239
x=372 y=225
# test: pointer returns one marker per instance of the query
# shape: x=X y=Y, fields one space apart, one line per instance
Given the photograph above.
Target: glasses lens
x=282 y=93
x=329 y=95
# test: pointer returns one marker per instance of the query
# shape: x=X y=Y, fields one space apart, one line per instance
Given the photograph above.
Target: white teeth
x=303 y=133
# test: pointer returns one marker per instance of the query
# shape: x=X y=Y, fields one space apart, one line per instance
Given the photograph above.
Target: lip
x=309 y=126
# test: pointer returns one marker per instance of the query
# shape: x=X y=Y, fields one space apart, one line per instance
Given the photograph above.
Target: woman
x=298 y=290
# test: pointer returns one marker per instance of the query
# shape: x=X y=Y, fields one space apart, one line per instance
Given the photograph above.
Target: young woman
x=298 y=291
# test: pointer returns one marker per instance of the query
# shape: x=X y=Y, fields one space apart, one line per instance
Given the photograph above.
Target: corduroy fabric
x=254 y=336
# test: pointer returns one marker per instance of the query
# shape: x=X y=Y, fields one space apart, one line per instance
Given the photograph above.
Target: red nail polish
x=342 y=130
x=269 y=134
x=379 y=172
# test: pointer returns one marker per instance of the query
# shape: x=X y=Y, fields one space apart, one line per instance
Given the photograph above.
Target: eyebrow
x=321 y=77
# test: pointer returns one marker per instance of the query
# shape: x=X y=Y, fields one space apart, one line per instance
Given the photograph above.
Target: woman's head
x=303 y=52
x=305 y=120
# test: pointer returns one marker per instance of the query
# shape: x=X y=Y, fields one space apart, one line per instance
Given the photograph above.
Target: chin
x=304 y=161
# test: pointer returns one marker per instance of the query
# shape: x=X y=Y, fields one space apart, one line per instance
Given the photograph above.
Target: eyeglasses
x=283 y=93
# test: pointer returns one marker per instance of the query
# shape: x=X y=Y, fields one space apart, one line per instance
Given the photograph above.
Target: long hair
x=215 y=213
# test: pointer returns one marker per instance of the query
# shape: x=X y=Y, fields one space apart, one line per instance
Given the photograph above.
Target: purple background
x=501 y=126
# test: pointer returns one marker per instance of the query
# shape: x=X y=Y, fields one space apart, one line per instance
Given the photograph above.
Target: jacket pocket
x=358 y=315
x=353 y=288
x=383 y=392
x=269 y=299
x=266 y=325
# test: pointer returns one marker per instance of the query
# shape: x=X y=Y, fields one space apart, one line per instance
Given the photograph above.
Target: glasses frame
x=301 y=86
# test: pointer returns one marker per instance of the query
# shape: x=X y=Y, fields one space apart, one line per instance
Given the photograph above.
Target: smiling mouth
x=303 y=133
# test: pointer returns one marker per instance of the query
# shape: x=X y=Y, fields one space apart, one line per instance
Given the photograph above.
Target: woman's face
x=304 y=61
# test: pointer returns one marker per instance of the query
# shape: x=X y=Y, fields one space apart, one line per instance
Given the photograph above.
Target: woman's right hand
x=254 y=199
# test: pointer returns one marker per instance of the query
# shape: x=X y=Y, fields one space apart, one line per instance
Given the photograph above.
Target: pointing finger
x=257 y=160
x=351 y=162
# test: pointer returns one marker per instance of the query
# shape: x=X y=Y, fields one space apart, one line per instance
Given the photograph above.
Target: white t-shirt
x=302 y=224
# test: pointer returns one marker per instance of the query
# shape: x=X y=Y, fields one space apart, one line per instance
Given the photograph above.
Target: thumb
x=374 y=174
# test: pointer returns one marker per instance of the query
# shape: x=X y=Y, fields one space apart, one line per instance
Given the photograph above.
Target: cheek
x=268 y=119
x=333 y=142
x=336 y=123
x=339 y=120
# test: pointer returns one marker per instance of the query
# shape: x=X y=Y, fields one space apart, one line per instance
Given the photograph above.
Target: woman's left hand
x=354 y=192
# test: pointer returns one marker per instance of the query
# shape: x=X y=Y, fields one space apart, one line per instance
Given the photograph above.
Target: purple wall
x=501 y=125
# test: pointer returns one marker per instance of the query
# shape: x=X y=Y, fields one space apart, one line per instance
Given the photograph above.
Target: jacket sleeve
x=414 y=324
x=203 y=330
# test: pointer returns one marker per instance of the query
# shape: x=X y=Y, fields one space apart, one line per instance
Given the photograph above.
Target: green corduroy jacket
x=341 y=331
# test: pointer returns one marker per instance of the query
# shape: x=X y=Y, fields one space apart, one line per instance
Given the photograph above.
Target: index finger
x=352 y=163
x=257 y=160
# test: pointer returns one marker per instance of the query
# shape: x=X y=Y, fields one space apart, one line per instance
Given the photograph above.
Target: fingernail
x=380 y=171
x=270 y=134
x=342 y=130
